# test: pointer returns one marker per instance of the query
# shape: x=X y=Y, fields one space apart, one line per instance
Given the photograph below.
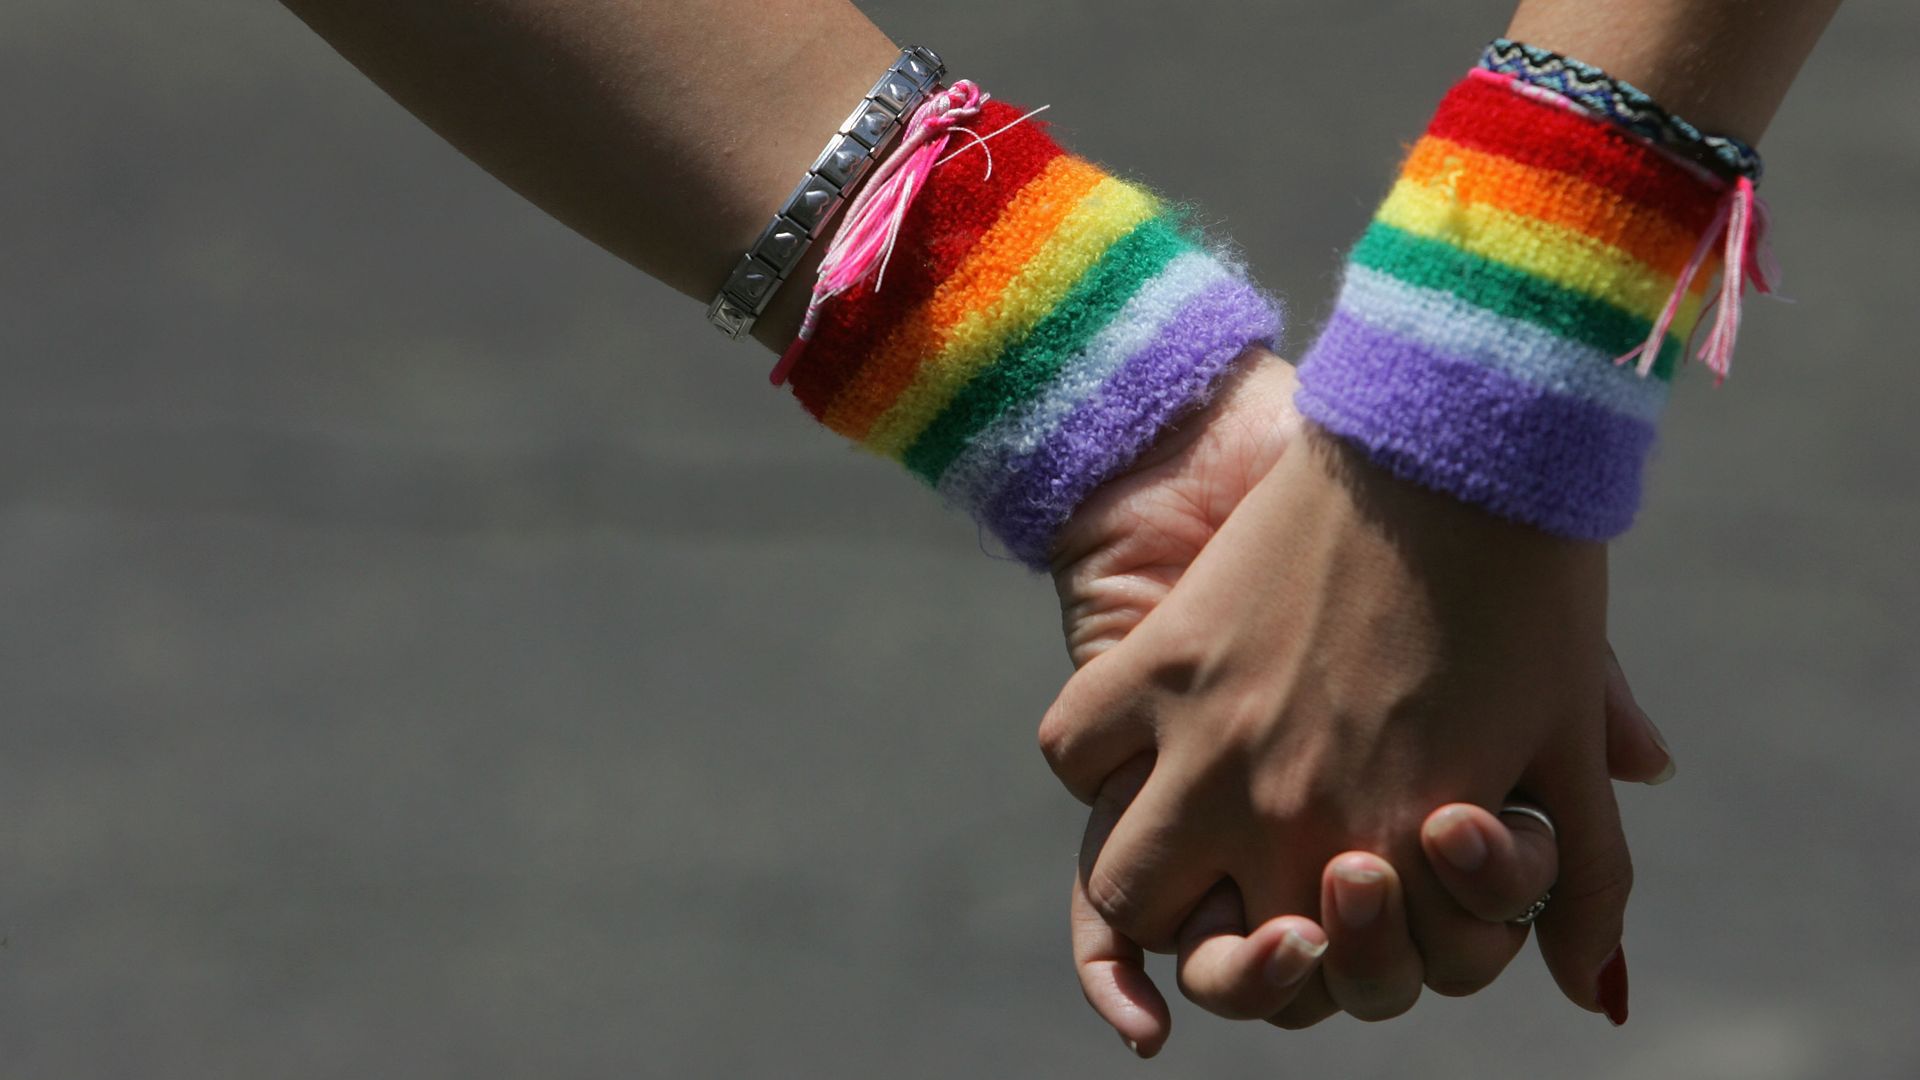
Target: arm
x=1043 y=319
x=1424 y=649
x=599 y=113
x=665 y=132
x=1725 y=65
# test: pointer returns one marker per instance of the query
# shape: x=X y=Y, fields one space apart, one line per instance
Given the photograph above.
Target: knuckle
x=1083 y=742
x=1114 y=901
x=1064 y=745
x=1056 y=737
x=1605 y=877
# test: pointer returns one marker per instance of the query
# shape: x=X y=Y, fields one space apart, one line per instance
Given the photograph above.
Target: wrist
x=1254 y=398
x=1527 y=249
x=1722 y=65
x=1039 y=325
x=1474 y=578
x=1432 y=524
x=1203 y=464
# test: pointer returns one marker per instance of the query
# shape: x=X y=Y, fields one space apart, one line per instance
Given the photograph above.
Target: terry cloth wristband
x=1528 y=248
x=1037 y=324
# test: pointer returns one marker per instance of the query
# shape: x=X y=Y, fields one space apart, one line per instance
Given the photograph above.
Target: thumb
x=1580 y=929
x=1636 y=751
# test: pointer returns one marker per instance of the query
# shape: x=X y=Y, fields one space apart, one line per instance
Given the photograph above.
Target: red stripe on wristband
x=945 y=222
x=1492 y=118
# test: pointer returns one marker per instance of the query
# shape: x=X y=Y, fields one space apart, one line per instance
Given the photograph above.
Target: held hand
x=1493 y=866
x=1365 y=956
x=1344 y=655
x=1248 y=975
x=1120 y=556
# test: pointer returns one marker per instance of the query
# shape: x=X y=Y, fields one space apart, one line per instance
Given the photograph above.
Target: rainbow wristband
x=1525 y=249
x=1034 y=331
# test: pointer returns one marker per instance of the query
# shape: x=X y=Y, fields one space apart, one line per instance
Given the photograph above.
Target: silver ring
x=1533 y=911
x=1526 y=917
x=1535 y=813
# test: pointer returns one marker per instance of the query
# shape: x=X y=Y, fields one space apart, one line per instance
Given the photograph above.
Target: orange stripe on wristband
x=1029 y=218
x=1474 y=176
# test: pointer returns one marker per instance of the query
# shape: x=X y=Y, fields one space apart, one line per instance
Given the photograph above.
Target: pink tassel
x=865 y=241
x=1743 y=219
x=863 y=245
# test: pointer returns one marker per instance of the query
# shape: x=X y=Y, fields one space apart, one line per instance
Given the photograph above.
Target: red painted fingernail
x=1613 y=986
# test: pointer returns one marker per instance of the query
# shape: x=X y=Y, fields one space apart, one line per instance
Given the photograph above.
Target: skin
x=601 y=112
x=1387 y=694
x=622 y=118
x=1121 y=557
x=1385 y=610
x=1724 y=65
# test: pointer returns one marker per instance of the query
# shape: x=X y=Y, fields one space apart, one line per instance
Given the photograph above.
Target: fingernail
x=1458 y=839
x=1133 y=1046
x=1358 y=892
x=1666 y=774
x=1293 y=959
x=1612 y=989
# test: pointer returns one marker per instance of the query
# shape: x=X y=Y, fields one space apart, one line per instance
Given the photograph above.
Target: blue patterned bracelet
x=1623 y=104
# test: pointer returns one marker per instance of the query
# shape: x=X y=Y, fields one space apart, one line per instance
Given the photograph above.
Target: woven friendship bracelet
x=1525 y=252
x=1039 y=322
x=865 y=136
x=1622 y=103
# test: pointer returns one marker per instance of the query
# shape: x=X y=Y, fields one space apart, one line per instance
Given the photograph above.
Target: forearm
x=1724 y=65
x=1042 y=319
x=665 y=132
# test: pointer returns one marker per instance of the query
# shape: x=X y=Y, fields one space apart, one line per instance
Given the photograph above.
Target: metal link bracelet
x=867 y=133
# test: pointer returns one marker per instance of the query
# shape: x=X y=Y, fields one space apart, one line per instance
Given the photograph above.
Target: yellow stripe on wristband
x=994 y=260
x=1107 y=213
x=1555 y=253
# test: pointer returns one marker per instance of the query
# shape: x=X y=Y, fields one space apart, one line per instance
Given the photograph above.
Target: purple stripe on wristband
x=1170 y=375
x=1456 y=426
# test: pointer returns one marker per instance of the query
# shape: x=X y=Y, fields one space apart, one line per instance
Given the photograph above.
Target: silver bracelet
x=867 y=133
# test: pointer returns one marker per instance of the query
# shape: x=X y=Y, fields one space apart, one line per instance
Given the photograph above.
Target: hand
x=1130 y=544
x=1320 y=692
x=1493 y=866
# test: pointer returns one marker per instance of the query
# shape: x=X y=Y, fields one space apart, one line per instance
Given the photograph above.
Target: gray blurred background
x=427 y=649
